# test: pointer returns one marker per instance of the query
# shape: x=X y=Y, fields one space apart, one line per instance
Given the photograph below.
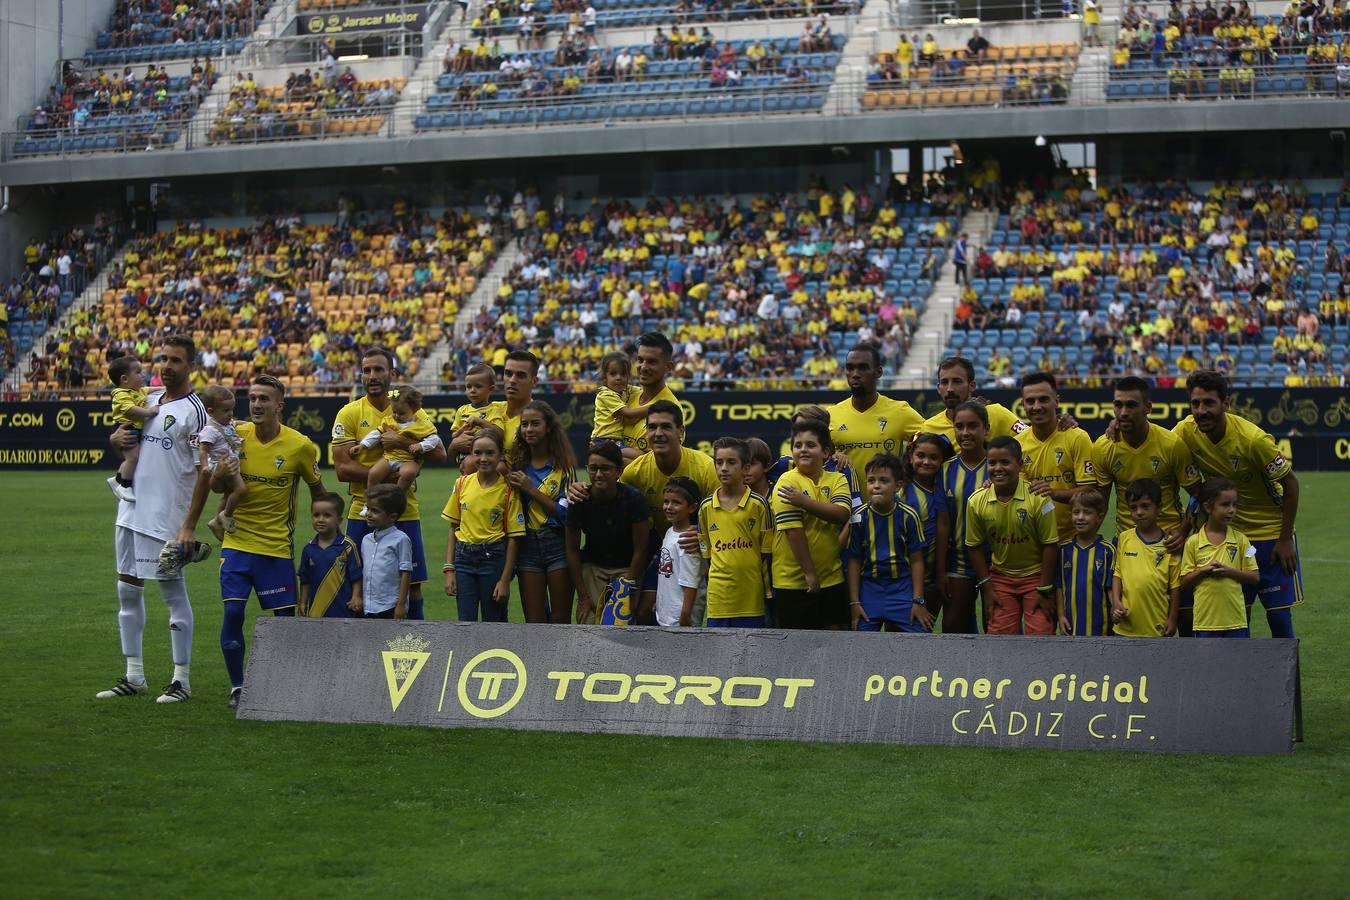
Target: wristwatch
x=919 y=600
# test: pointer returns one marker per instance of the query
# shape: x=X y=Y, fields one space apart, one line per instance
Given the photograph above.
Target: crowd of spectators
x=138 y=22
x=305 y=105
x=55 y=271
x=83 y=98
x=1036 y=73
x=1159 y=280
x=765 y=293
x=282 y=297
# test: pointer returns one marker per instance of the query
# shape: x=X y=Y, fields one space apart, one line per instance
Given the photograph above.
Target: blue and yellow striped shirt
x=958 y=483
x=330 y=572
x=1085 y=575
x=884 y=541
x=927 y=504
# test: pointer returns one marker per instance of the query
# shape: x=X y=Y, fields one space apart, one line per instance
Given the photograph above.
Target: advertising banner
x=410 y=17
x=1158 y=696
x=1311 y=426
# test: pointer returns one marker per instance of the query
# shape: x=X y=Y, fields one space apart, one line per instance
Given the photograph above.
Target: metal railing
x=843 y=95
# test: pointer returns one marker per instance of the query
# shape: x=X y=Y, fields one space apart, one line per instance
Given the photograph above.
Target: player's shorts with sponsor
x=357 y=529
x=272 y=578
x=1277 y=589
x=887 y=603
x=137 y=554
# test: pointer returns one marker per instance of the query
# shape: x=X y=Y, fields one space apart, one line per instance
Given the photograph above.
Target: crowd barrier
x=951 y=690
x=1312 y=425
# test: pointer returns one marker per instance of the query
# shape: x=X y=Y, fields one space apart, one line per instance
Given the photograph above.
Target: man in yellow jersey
x=520 y=375
x=1017 y=580
x=1144 y=450
x=352 y=462
x=654 y=362
x=956 y=385
x=258 y=556
x=1227 y=445
x=1055 y=464
x=867 y=423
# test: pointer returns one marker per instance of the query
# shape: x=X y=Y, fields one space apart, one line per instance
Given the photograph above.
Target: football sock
x=131 y=618
x=415 y=605
x=1281 y=622
x=124 y=482
x=232 y=641
x=180 y=675
x=287 y=612
x=180 y=619
x=135 y=670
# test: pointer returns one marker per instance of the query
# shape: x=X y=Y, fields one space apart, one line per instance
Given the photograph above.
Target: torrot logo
x=489 y=700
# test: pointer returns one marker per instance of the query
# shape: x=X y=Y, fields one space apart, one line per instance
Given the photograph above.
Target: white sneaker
x=121 y=491
x=123 y=688
x=174 y=693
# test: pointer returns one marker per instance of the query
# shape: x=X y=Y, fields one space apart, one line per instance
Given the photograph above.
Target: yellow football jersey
x=265 y=518
x=1001 y=421
x=1016 y=529
x=604 y=424
x=644 y=474
x=1162 y=457
x=636 y=432
x=1065 y=460
x=1219 y=602
x=354 y=421
x=822 y=537
x=1249 y=456
x=1147 y=574
x=484 y=515
x=884 y=427
x=735 y=542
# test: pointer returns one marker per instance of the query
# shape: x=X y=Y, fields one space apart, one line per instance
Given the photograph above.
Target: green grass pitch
x=126 y=798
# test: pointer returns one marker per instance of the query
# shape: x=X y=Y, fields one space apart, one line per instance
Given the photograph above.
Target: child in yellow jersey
x=1017 y=581
x=614 y=402
x=407 y=419
x=130 y=408
x=735 y=531
x=486 y=526
x=1217 y=563
x=810 y=506
x=1146 y=589
x=479 y=383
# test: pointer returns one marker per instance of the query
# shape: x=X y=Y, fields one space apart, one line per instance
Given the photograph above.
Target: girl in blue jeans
x=542 y=466
x=486 y=526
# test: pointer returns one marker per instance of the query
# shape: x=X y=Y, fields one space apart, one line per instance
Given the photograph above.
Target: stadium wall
x=35 y=35
x=1311 y=426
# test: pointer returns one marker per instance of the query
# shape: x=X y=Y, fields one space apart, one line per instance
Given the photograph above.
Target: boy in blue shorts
x=330 y=565
x=885 y=556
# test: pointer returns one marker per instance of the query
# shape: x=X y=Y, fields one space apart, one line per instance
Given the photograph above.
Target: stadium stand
x=772 y=292
x=305 y=106
x=536 y=18
x=109 y=110
x=921 y=73
x=291 y=299
x=147 y=31
x=1158 y=280
x=1198 y=55
x=54 y=273
x=484 y=85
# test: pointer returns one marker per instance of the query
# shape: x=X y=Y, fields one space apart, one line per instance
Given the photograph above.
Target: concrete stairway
x=428 y=376
x=935 y=325
x=91 y=296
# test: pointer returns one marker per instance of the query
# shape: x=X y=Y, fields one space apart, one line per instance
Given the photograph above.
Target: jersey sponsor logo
x=738 y=543
x=843 y=428
x=712 y=527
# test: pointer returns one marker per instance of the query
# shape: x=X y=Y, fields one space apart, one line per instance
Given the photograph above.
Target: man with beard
x=520 y=374
x=170 y=494
x=1227 y=445
x=1056 y=462
x=352 y=462
x=956 y=385
x=866 y=423
x=654 y=362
